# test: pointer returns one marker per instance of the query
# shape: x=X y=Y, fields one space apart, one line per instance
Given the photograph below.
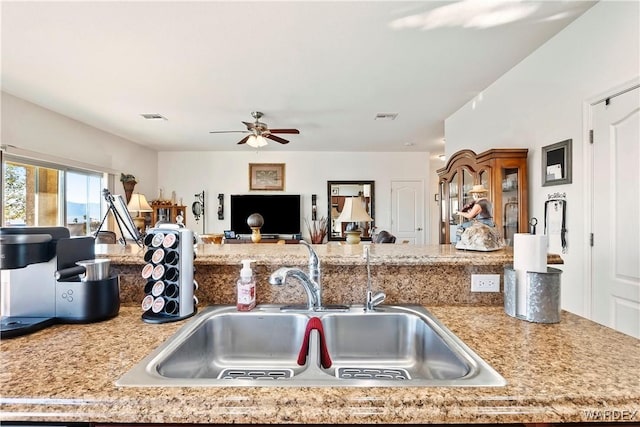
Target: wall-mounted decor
x=314 y=208
x=555 y=218
x=220 y=206
x=266 y=176
x=556 y=163
x=338 y=193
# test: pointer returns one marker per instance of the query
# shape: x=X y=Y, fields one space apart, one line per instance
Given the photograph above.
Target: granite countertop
x=555 y=372
x=331 y=253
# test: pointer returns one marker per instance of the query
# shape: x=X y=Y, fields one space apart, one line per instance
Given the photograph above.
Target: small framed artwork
x=556 y=163
x=266 y=176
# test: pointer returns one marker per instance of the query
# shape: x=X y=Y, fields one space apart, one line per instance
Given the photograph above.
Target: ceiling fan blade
x=276 y=138
x=244 y=140
x=229 y=131
x=296 y=131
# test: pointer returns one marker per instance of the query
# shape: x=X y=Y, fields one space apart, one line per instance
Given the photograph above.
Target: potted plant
x=317 y=230
x=128 y=182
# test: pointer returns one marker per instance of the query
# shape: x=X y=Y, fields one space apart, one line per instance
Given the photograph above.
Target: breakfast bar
x=408 y=274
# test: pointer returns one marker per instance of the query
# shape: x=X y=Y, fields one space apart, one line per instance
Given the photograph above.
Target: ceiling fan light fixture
x=256 y=141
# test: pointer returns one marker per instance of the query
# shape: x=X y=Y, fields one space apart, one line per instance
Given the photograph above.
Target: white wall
x=307 y=173
x=540 y=102
x=34 y=128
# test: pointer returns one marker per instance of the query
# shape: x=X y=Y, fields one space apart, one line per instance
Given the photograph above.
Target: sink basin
x=229 y=344
x=393 y=346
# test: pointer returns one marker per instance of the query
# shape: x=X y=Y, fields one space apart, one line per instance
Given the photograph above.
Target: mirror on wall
x=360 y=193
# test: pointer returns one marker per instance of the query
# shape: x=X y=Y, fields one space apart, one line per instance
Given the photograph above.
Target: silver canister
x=542 y=295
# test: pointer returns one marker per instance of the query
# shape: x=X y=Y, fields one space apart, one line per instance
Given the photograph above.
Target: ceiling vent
x=386 y=116
x=154 y=116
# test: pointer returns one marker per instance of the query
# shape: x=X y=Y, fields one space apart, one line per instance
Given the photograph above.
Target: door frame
x=587 y=120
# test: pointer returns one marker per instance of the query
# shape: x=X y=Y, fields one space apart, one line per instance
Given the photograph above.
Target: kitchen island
x=572 y=371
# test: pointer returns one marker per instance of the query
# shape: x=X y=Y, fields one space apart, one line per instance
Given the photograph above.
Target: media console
x=287 y=241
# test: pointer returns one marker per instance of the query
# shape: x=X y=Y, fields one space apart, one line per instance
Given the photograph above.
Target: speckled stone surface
x=555 y=373
x=427 y=275
x=331 y=253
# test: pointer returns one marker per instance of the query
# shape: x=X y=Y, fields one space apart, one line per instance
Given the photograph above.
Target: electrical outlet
x=485 y=283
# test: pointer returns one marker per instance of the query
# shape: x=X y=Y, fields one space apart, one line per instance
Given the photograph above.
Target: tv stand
x=263 y=240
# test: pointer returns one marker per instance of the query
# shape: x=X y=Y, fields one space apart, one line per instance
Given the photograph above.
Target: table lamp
x=138 y=204
x=353 y=212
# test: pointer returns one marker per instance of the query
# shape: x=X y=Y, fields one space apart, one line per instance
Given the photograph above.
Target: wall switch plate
x=485 y=283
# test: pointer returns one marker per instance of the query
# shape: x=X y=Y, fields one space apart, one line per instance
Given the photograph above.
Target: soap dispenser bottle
x=246 y=287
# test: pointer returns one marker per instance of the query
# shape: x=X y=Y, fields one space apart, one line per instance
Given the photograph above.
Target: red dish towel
x=325 y=358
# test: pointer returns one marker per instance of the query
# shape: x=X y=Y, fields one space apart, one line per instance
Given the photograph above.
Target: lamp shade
x=138 y=203
x=353 y=211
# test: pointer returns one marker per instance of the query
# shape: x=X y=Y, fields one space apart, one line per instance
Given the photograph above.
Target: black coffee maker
x=42 y=283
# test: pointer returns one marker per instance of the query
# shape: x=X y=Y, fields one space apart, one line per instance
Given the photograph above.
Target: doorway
x=615 y=211
x=407 y=211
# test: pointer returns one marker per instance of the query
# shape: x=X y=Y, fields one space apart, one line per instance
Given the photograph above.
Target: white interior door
x=615 y=298
x=407 y=211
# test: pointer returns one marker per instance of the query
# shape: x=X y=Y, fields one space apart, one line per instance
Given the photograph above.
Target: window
x=41 y=194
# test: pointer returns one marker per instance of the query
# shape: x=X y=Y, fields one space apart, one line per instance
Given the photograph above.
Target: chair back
x=385 y=237
x=108 y=237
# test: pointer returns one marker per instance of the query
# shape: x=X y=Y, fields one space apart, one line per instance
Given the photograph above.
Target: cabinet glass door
x=454 y=195
x=467 y=186
x=510 y=204
x=484 y=180
x=443 y=213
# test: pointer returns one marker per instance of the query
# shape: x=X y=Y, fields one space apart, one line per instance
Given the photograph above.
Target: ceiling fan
x=258 y=131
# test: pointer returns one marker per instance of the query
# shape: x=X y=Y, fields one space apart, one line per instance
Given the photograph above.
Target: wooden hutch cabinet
x=167 y=212
x=502 y=171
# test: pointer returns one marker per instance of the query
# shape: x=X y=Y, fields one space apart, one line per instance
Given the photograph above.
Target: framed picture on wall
x=556 y=163
x=266 y=176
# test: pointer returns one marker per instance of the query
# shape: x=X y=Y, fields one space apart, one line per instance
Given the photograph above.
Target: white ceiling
x=326 y=68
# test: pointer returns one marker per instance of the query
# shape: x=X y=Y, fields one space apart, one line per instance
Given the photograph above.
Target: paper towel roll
x=529 y=254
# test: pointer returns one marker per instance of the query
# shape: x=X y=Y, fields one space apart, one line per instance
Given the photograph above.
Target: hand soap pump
x=246 y=287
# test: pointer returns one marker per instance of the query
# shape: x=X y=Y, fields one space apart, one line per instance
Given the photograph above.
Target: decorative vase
x=128 y=188
x=255 y=235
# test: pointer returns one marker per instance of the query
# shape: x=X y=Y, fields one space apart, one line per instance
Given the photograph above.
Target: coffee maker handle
x=66 y=273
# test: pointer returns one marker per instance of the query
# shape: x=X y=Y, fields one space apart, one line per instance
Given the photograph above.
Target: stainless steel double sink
x=393 y=346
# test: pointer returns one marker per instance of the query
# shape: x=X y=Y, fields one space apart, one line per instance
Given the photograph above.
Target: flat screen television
x=281 y=213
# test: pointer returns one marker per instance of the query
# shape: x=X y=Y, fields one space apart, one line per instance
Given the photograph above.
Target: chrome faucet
x=372 y=300
x=310 y=281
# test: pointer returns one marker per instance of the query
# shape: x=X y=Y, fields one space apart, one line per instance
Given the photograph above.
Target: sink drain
x=373 y=374
x=255 y=374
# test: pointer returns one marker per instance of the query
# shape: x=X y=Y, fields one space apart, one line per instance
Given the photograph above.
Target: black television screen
x=281 y=213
